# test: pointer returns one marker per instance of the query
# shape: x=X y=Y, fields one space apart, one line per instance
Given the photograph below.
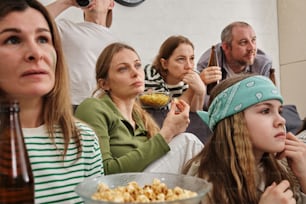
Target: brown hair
x=56 y=104
x=228 y=162
x=102 y=69
x=109 y=18
x=166 y=50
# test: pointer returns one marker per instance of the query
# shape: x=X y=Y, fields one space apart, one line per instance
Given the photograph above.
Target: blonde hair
x=228 y=162
x=102 y=69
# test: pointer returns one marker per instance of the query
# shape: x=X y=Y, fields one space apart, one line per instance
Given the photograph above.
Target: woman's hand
x=194 y=82
x=211 y=74
x=278 y=193
x=195 y=94
x=176 y=121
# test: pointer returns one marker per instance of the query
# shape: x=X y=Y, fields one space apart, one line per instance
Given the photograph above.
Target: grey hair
x=226 y=34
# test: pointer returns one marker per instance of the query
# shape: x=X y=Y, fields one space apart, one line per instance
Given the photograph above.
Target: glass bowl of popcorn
x=154 y=99
x=141 y=188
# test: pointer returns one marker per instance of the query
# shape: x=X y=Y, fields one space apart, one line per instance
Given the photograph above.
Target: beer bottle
x=16 y=178
x=213 y=61
x=272 y=75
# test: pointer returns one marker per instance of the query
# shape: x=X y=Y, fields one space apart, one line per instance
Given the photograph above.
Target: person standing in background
x=83 y=42
x=62 y=150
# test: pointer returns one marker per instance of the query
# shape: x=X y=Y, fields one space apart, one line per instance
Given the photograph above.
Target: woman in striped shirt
x=62 y=150
x=173 y=71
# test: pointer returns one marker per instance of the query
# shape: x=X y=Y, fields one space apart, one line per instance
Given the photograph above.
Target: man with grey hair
x=237 y=53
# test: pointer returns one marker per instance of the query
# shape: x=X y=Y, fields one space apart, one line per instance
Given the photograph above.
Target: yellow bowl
x=154 y=99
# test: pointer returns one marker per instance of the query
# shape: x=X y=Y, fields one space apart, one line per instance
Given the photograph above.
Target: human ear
x=164 y=63
x=103 y=84
x=226 y=46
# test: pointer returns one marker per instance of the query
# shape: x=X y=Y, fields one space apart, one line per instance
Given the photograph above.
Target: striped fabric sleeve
x=55 y=176
x=92 y=151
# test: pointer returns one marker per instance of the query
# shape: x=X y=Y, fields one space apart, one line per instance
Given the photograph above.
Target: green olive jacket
x=123 y=148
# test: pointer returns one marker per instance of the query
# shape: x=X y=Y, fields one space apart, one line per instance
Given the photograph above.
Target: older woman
x=173 y=71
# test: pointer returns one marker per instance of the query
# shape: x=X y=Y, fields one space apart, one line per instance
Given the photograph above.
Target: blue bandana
x=238 y=97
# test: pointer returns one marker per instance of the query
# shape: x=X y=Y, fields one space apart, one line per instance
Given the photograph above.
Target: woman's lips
x=34 y=73
x=138 y=83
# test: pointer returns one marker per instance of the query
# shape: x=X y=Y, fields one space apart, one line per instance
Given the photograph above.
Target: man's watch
x=129 y=3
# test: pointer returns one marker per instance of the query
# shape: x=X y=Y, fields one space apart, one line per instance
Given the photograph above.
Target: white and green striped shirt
x=55 y=178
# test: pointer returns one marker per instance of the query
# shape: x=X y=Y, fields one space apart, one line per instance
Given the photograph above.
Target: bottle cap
x=83 y=3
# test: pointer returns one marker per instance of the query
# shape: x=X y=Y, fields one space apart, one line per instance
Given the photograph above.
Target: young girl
x=62 y=151
x=245 y=159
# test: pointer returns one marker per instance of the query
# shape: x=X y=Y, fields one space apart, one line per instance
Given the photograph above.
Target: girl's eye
x=265 y=111
x=280 y=111
x=12 y=40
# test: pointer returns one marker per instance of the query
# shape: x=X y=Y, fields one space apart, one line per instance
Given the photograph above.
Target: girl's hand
x=278 y=193
x=295 y=152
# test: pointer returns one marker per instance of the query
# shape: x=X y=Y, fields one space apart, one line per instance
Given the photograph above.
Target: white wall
x=146 y=26
x=292 y=30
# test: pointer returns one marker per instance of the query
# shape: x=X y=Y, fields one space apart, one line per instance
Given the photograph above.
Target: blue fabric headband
x=238 y=97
